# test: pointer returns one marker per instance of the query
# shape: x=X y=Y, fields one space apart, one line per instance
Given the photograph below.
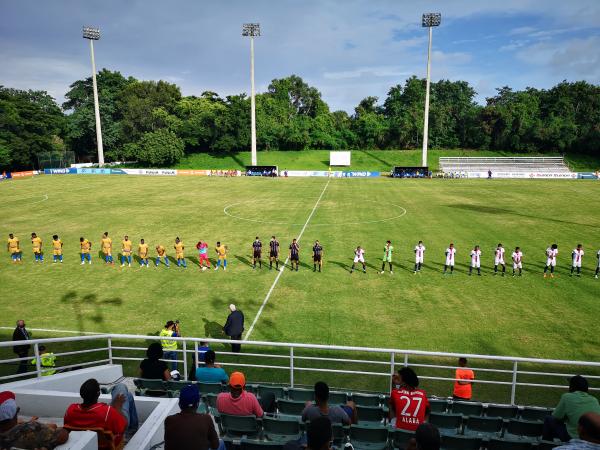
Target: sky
x=348 y=49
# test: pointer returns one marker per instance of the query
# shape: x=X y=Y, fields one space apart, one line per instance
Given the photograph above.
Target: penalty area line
x=279 y=274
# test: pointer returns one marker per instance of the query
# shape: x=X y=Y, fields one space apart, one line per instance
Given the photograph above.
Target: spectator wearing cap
x=337 y=414
x=589 y=434
x=189 y=430
x=234 y=327
x=115 y=418
x=239 y=402
x=427 y=437
x=22 y=351
x=210 y=372
x=31 y=434
x=564 y=420
x=408 y=404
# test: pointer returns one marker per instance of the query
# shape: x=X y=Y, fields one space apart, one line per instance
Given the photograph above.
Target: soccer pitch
x=527 y=316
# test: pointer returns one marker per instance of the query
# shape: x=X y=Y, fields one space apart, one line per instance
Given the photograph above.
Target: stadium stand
x=503 y=166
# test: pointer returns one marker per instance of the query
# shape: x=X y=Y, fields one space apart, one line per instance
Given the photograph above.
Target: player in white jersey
x=577 y=256
x=551 y=253
x=450 y=254
x=517 y=258
x=499 y=259
x=598 y=266
x=419 y=256
x=359 y=256
x=475 y=260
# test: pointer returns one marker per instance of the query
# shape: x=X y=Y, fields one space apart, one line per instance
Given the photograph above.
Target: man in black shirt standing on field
x=256 y=253
x=274 y=253
x=22 y=351
x=294 y=254
x=317 y=256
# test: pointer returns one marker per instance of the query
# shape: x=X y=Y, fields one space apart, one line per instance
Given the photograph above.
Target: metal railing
x=294 y=359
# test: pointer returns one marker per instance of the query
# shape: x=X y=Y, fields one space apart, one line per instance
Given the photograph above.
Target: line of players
x=13 y=247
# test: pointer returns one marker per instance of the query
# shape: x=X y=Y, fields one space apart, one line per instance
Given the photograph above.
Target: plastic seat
x=277 y=391
x=370 y=414
x=401 y=437
x=467 y=408
x=340 y=434
x=505 y=412
x=176 y=386
x=154 y=388
x=484 y=427
x=280 y=429
x=532 y=414
x=524 y=429
x=438 y=405
x=366 y=399
x=211 y=400
x=369 y=438
x=249 y=444
x=238 y=426
x=507 y=444
x=458 y=442
x=301 y=395
x=446 y=423
x=337 y=398
x=290 y=407
x=210 y=388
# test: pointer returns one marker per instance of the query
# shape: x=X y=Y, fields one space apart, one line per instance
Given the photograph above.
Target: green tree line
x=152 y=123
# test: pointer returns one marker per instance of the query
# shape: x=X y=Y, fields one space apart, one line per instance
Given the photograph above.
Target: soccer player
x=36 y=243
x=388 y=250
x=256 y=253
x=517 y=258
x=12 y=246
x=57 y=245
x=273 y=253
x=106 y=244
x=203 y=261
x=359 y=256
x=450 y=254
x=294 y=254
x=143 y=253
x=126 y=248
x=86 y=247
x=419 y=256
x=179 y=247
x=577 y=256
x=221 y=256
x=499 y=259
x=551 y=253
x=598 y=266
x=161 y=252
x=317 y=256
x=475 y=260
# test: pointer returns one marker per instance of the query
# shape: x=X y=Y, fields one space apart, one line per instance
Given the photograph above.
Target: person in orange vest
x=463 y=381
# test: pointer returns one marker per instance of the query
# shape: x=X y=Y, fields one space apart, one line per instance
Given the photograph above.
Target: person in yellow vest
x=169 y=346
x=86 y=247
x=57 y=245
x=179 y=253
x=161 y=252
x=36 y=243
x=106 y=243
x=143 y=253
x=126 y=246
x=47 y=361
x=13 y=247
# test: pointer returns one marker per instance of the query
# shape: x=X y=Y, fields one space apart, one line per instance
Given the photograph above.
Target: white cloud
x=360 y=72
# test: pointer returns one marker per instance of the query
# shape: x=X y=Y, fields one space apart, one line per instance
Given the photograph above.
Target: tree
x=370 y=124
x=158 y=148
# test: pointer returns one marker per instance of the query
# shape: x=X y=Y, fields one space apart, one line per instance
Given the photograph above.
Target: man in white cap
x=234 y=327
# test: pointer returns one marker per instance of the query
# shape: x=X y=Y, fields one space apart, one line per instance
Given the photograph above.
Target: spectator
x=152 y=367
x=234 y=327
x=169 y=346
x=115 y=418
x=204 y=347
x=407 y=403
x=336 y=414
x=463 y=389
x=589 y=434
x=22 y=351
x=564 y=420
x=47 y=361
x=26 y=435
x=427 y=437
x=489 y=174
x=239 y=402
x=211 y=373
x=189 y=430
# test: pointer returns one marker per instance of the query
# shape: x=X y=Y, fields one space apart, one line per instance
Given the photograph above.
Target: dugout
x=410 y=172
x=261 y=171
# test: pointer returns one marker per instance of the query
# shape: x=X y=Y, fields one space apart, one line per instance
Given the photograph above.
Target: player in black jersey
x=273 y=253
x=256 y=253
x=317 y=256
x=294 y=254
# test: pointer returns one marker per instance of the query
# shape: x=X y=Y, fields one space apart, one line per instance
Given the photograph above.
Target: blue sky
x=348 y=49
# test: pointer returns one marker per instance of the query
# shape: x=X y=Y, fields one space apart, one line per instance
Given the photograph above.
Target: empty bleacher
x=503 y=165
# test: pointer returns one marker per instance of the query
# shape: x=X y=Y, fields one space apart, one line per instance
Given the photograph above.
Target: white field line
x=264 y=303
x=49 y=330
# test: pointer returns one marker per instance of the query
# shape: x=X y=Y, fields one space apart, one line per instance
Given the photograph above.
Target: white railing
x=293 y=362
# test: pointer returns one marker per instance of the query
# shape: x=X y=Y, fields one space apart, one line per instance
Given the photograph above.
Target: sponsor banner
x=151 y=172
x=61 y=171
x=547 y=175
x=326 y=173
x=585 y=176
x=202 y=173
x=117 y=172
x=26 y=173
x=93 y=171
x=359 y=174
x=304 y=173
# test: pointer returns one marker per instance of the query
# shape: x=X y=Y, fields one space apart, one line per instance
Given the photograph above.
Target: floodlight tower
x=430 y=20
x=93 y=34
x=252 y=30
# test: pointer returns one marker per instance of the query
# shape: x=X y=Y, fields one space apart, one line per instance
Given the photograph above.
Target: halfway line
x=260 y=310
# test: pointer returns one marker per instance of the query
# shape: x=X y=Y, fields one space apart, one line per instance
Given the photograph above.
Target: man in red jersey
x=408 y=404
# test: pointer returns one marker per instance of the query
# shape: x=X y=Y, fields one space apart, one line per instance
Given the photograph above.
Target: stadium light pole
x=93 y=34
x=252 y=30
x=430 y=20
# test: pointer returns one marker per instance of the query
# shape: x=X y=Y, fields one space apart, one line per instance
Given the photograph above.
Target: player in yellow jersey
x=12 y=246
x=36 y=243
x=126 y=246
x=221 y=256
x=57 y=246
x=161 y=252
x=179 y=253
x=86 y=247
x=106 y=243
x=143 y=253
